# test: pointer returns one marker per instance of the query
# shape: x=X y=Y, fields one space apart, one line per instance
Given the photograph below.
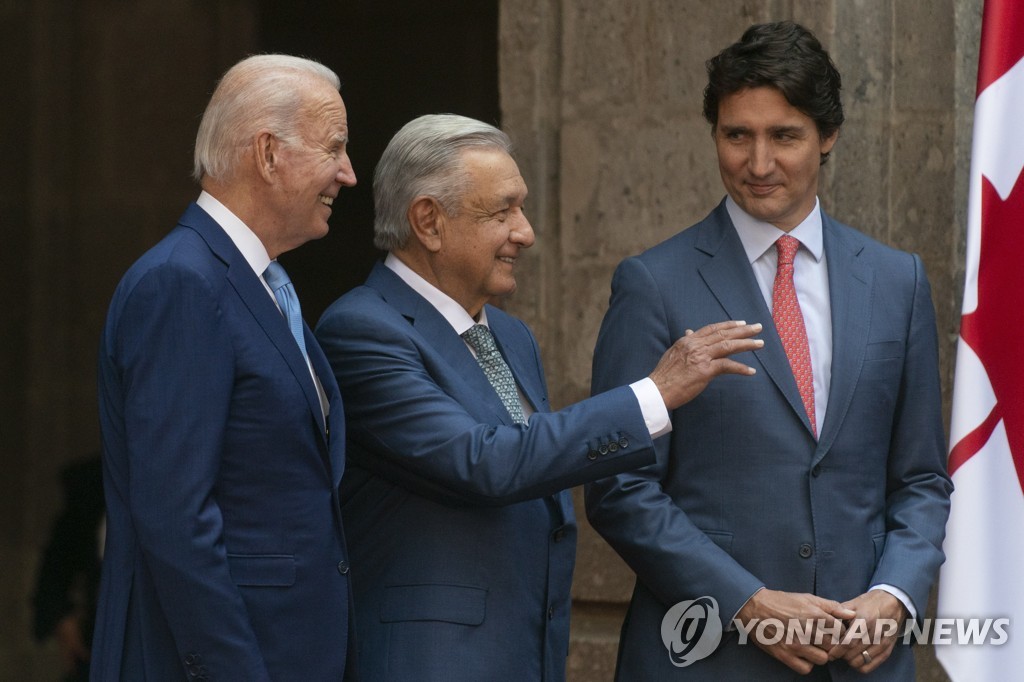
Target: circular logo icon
x=691 y=630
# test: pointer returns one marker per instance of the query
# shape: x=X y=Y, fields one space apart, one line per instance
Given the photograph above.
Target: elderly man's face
x=480 y=244
x=769 y=155
x=314 y=171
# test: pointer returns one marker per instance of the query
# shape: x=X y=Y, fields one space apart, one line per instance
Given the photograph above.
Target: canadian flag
x=984 y=572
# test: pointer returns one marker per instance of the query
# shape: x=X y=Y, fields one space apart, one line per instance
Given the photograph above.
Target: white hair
x=262 y=91
x=424 y=158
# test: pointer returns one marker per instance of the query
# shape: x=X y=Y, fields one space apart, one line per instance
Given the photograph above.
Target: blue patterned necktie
x=479 y=337
x=284 y=292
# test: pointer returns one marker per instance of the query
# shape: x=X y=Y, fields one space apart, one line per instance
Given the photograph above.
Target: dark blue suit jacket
x=463 y=537
x=742 y=495
x=224 y=554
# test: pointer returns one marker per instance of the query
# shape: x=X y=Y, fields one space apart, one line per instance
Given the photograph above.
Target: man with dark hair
x=462 y=531
x=816 y=493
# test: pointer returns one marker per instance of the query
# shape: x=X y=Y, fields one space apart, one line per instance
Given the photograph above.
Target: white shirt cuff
x=899 y=594
x=652 y=406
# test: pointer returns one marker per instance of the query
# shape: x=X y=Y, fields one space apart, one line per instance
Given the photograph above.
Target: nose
x=346 y=173
x=761 y=160
x=522 y=232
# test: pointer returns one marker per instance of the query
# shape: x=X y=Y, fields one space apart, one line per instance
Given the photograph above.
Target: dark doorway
x=397 y=60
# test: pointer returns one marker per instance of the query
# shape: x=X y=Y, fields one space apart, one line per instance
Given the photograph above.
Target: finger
x=797 y=663
x=733 y=346
x=727 y=366
x=876 y=661
x=729 y=329
x=812 y=654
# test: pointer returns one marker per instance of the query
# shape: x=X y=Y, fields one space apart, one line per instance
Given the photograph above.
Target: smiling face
x=313 y=171
x=479 y=245
x=769 y=155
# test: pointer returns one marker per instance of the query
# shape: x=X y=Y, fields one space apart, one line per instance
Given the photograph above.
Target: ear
x=427 y=222
x=828 y=142
x=265 y=152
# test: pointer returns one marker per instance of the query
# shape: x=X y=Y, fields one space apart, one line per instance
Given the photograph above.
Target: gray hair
x=424 y=158
x=262 y=91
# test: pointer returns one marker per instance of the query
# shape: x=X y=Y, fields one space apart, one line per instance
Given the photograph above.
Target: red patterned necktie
x=789 y=322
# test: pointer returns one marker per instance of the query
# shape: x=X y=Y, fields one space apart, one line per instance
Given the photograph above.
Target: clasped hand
x=861 y=631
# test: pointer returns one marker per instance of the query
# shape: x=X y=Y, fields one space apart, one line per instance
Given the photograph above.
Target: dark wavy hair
x=783 y=55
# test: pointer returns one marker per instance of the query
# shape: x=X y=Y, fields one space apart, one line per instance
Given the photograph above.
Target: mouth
x=326 y=200
x=761 y=189
x=511 y=260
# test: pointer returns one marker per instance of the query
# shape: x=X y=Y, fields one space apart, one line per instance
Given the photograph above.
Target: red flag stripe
x=1001 y=43
x=970 y=444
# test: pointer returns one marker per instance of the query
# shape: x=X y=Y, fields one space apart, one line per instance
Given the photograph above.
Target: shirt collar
x=245 y=240
x=455 y=314
x=758 y=236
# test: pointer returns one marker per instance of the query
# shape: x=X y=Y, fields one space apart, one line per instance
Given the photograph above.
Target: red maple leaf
x=995 y=330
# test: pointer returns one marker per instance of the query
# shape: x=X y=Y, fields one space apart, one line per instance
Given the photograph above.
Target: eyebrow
x=774 y=130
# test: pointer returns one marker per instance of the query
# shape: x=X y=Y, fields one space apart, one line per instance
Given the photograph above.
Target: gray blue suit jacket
x=463 y=537
x=742 y=494
x=225 y=556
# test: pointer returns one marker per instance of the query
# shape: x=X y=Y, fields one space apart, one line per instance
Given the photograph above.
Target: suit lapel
x=731 y=280
x=437 y=331
x=250 y=289
x=849 y=283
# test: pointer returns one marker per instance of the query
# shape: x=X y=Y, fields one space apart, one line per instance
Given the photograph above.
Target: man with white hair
x=462 y=529
x=223 y=429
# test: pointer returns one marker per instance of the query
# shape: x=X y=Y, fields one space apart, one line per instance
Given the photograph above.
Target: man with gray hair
x=222 y=425
x=463 y=535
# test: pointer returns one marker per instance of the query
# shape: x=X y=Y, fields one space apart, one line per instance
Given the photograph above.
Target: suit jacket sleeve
x=632 y=511
x=917 y=485
x=175 y=361
x=412 y=422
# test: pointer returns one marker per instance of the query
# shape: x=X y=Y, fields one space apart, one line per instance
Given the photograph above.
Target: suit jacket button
x=343 y=567
x=623 y=442
x=559 y=534
x=592 y=455
x=613 y=447
x=551 y=613
x=816 y=470
x=603 y=449
x=806 y=551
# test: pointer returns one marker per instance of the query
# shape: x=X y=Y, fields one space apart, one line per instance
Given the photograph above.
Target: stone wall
x=604 y=100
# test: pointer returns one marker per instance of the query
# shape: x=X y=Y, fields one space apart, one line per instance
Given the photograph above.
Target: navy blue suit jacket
x=742 y=495
x=225 y=554
x=463 y=537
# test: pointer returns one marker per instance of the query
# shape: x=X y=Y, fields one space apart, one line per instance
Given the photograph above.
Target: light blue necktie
x=284 y=292
x=495 y=368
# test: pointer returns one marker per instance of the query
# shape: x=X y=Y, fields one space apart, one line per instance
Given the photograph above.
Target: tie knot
x=276 y=276
x=787 y=247
x=480 y=338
